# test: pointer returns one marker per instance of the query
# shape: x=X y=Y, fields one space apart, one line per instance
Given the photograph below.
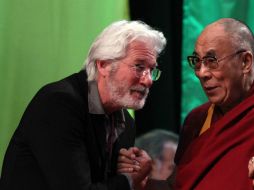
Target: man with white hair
x=71 y=132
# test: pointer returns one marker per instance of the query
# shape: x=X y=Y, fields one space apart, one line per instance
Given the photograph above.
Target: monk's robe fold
x=218 y=158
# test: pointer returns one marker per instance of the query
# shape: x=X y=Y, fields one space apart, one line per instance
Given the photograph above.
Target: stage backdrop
x=42 y=41
x=196 y=15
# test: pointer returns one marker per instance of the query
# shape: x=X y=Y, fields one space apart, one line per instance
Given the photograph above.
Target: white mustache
x=141 y=89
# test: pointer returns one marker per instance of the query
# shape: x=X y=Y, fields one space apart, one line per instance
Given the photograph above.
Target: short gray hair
x=153 y=141
x=112 y=43
x=241 y=34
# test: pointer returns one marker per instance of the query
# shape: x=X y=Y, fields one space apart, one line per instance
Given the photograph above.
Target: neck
x=248 y=92
x=225 y=109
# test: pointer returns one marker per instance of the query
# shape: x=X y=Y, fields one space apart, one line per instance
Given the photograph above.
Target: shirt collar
x=94 y=101
x=95 y=106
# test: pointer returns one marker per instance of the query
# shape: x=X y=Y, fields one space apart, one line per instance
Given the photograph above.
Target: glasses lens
x=155 y=74
x=211 y=62
x=194 y=62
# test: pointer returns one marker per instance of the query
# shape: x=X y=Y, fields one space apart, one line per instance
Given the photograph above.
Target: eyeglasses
x=141 y=70
x=211 y=62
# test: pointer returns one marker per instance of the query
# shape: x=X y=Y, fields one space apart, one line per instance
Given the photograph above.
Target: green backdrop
x=42 y=41
x=197 y=14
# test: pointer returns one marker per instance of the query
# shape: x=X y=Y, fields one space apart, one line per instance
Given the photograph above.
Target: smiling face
x=223 y=86
x=121 y=87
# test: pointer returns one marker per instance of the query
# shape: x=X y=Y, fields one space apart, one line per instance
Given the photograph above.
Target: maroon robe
x=217 y=159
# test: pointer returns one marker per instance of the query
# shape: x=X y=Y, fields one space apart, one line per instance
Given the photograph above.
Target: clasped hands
x=136 y=164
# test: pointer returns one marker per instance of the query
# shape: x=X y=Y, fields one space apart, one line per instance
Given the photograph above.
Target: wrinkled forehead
x=143 y=50
x=213 y=38
x=142 y=45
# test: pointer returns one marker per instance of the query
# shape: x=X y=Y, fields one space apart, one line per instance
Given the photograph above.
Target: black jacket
x=58 y=145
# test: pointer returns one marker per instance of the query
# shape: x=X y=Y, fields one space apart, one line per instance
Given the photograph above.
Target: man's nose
x=203 y=72
x=146 y=79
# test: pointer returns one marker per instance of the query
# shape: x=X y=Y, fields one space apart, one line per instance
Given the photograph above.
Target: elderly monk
x=217 y=138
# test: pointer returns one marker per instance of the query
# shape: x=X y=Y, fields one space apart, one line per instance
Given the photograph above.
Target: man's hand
x=127 y=162
x=135 y=163
x=251 y=169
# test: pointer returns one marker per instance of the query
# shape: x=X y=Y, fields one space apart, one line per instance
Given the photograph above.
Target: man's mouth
x=141 y=91
x=140 y=94
x=210 y=89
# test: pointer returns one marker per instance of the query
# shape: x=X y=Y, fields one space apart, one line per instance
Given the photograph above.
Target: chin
x=136 y=105
x=215 y=100
x=130 y=102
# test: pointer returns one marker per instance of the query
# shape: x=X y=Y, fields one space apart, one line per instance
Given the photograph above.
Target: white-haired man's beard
x=123 y=95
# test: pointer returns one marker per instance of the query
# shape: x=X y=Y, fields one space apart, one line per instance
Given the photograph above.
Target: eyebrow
x=209 y=53
x=142 y=61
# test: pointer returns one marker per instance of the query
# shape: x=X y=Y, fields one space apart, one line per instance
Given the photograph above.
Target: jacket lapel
x=99 y=131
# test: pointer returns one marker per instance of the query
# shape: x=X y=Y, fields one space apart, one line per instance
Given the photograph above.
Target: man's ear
x=247 y=62
x=102 y=67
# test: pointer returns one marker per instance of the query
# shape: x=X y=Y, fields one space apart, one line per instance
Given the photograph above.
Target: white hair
x=112 y=43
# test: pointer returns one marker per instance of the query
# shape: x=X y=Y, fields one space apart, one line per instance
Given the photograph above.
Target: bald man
x=217 y=137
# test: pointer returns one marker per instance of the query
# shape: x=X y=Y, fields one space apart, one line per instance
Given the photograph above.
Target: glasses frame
x=155 y=73
x=216 y=60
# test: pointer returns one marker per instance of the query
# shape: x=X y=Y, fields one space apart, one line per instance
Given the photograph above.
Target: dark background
x=163 y=106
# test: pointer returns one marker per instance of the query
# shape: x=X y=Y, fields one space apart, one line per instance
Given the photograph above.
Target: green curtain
x=42 y=41
x=197 y=14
